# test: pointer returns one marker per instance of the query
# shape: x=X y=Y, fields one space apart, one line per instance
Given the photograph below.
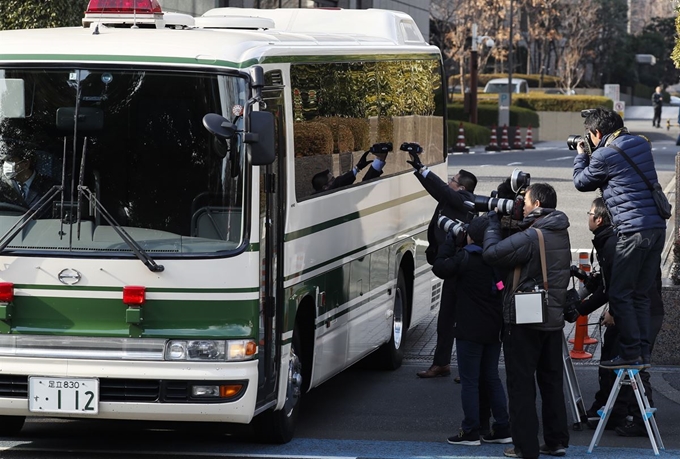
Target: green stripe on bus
x=353 y=216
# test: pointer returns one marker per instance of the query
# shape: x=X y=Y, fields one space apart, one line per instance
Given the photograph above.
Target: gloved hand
x=593 y=282
x=415 y=161
x=363 y=162
x=571 y=313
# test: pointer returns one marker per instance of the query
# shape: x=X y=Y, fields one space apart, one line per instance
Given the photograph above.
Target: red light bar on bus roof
x=123 y=6
x=6 y=292
x=124 y=13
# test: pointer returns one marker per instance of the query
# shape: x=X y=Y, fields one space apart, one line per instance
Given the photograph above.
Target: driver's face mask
x=9 y=168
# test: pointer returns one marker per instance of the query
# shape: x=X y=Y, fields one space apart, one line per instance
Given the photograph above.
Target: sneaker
x=557 y=450
x=498 y=435
x=470 y=438
x=593 y=415
x=618 y=362
x=512 y=452
x=632 y=429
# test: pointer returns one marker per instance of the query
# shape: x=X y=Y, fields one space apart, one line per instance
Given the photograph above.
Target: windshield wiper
x=134 y=245
x=34 y=210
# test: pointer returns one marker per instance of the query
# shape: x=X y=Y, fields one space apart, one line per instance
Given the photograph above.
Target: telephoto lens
x=454 y=226
x=487 y=204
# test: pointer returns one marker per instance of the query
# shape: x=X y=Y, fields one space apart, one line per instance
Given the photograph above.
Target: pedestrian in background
x=533 y=352
x=477 y=331
x=657 y=102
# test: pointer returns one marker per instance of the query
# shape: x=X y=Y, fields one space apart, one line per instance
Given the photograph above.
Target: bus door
x=271 y=246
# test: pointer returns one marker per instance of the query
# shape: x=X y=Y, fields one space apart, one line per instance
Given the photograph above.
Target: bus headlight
x=209 y=350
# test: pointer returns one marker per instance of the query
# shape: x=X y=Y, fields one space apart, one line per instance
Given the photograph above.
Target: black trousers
x=656 y=121
x=535 y=356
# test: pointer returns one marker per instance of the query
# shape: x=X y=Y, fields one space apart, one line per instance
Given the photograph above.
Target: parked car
x=500 y=85
x=675 y=100
x=564 y=92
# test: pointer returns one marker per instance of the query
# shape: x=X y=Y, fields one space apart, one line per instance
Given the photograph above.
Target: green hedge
x=487 y=115
x=474 y=133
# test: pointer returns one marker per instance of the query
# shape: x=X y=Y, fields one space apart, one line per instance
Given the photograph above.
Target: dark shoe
x=434 y=371
x=619 y=363
x=512 y=452
x=484 y=430
x=470 y=438
x=612 y=423
x=646 y=361
x=498 y=435
x=558 y=450
x=632 y=429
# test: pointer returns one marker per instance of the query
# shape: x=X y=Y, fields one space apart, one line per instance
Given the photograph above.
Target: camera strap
x=541 y=249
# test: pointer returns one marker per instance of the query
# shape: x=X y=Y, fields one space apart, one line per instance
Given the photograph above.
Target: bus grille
x=117 y=390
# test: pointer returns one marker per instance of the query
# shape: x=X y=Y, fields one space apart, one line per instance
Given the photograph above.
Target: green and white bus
x=180 y=266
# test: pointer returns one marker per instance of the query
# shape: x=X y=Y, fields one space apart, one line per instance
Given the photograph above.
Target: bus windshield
x=138 y=151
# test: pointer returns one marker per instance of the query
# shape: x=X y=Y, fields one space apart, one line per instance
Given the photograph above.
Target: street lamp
x=474 y=70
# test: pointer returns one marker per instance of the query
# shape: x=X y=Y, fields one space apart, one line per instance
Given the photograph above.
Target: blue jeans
x=636 y=263
x=478 y=366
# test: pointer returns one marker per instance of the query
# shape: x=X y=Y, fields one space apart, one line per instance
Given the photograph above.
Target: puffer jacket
x=523 y=249
x=626 y=195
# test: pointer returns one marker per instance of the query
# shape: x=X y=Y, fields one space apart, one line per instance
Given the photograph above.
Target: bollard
x=460 y=144
x=493 y=142
x=529 y=141
x=504 y=138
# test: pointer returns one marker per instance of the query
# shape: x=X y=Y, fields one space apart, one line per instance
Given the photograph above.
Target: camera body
x=519 y=182
x=383 y=147
x=454 y=226
x=411 y=148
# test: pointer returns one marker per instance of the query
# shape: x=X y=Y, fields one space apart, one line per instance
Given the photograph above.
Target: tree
x=658 y=39
x=32 y=14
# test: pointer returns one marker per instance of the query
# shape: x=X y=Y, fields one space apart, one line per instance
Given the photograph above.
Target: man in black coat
x=451 y=198
x=533 y=352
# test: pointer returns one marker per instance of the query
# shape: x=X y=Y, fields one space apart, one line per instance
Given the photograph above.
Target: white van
x=500 y=85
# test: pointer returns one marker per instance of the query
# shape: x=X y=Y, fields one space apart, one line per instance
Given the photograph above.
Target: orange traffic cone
x=529 y=141
x=517 y=144
x=493 y=143
x=504 y=138
x=460 y=144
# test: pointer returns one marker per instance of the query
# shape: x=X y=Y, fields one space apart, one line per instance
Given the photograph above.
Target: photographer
x=640 y=229
x=604 y=243
x=450 y=199
x=477 y=332
x=325 y=180
x=533 y=352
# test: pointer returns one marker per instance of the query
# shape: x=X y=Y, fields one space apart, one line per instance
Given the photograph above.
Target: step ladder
x=572 y=389
x=631 y=377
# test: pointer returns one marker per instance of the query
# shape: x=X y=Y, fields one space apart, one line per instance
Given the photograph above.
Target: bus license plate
x=63 y=395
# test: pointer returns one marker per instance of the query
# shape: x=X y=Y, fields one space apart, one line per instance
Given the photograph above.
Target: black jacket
x=523 y=249
x=450 y=203
x=479 y=305
x=604 y=243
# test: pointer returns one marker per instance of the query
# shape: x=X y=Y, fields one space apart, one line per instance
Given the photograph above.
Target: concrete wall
x=668 y=341
x=558 y=125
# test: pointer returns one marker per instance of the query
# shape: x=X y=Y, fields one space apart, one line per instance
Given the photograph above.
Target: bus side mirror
x=261 y=138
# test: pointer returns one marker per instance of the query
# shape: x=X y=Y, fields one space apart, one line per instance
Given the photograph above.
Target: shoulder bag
x=531 y=307
x=663 y=206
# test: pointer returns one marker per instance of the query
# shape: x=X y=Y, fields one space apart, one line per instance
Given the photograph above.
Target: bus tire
x=391 y=354
x=278 y=426
x=11 y=425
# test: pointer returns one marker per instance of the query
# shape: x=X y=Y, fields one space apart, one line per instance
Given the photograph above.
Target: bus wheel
x=391 y=354
x=11 y=425
x=279 y=426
